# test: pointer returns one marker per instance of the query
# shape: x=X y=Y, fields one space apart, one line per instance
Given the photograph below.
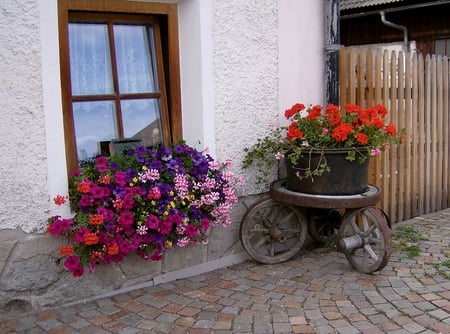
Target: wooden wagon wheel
x=272 y=232
x=323 y=224
x=365 y=239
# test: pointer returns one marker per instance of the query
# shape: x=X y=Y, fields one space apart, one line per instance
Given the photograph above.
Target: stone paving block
x=413 y=327
x=260 y=328
x=167 y=318
x=128 y=330
x=304 y=329
x=439 y=314
x=49 y=324
x=281 y=328
x=222 y=325
x=242 y=327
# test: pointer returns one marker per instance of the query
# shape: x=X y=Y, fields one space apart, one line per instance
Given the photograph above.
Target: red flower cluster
x=354 y=127
x=361 y=132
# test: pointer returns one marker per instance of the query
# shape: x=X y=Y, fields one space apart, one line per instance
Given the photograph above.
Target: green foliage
x=407 y=238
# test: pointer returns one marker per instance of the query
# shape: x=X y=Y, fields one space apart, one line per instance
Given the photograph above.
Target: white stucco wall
x=23 y=160
x=301 y=53
x=245 y=73
x=242 y=64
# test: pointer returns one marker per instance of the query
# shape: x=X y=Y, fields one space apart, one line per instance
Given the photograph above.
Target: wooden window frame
x=168 y=13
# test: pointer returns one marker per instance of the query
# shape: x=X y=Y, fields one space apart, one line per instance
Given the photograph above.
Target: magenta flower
x=191 y=230
x=120 y=178
x=126 y=219
x=127 y=202
x=86 y=200
x=101 y=164
x=166 y=226
x=78 y=271
x=79 y=235
x=72 y=262
x=98 y=191
x=152 y=222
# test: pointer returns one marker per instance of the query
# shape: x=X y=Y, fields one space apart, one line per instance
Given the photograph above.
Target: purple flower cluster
x=144 y=200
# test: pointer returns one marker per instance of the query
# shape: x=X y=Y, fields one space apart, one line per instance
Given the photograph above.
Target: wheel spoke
x=371 y=252
x=355 y=226
x=365 y=222
x=261 y=242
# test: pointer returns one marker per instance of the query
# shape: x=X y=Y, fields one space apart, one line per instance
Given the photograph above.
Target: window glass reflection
x=94 y=124
x=141 y=120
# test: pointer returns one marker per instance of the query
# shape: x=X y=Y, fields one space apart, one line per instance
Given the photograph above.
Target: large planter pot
x=345 y=177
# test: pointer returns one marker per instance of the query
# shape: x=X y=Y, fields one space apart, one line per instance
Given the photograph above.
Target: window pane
x=94 y=123
x=141 y=120
x=90 y=64
x=134 y=59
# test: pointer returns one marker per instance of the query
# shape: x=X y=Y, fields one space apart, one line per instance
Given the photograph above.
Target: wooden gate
x=414 y=176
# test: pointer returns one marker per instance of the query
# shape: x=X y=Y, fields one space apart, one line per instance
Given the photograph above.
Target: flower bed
x=145 y=201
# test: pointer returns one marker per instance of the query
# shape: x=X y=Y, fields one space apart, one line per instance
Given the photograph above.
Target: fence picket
x=422 y=135
x=408 y=115
x=446 y=133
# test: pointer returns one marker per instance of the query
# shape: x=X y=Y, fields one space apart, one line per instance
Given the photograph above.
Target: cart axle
x=355 y=241
x=277 y=234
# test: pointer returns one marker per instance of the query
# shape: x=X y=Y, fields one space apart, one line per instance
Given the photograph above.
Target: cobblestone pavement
x=316 y=292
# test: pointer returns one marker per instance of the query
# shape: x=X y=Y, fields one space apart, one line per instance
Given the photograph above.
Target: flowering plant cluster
x=364 y=132
x=144 y=200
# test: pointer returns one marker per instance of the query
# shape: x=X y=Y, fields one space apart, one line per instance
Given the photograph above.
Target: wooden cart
x=274 y=230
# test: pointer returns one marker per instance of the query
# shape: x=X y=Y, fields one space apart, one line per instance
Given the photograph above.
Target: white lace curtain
x=90 y=60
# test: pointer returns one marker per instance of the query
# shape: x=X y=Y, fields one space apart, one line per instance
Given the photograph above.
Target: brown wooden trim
x=119 y=6
x=165 y=119
x=174 y=75
x=69 y=131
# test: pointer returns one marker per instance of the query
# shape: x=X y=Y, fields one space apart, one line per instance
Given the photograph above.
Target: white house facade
x=241 y=64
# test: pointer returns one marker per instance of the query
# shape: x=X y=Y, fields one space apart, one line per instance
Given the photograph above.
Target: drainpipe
x=396 y=26
x=332 y=46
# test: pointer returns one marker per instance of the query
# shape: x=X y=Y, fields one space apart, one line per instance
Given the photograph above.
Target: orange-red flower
x=294 y=109
x=59 y=200
x=391 y=129
x=83 y=187
x=294 y=133
x=96 y=219
x=333 y=114
x=352 y=108
x=66 y=250
x=95 y=256
x=381 y=109
x=113 y=249
x=104 y=179
x=377 y=122
x=341 y=132
x=90 y=239
x=314 y=113
x=362 y=138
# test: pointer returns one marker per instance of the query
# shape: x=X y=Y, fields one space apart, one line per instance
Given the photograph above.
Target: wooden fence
x=414 y=176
